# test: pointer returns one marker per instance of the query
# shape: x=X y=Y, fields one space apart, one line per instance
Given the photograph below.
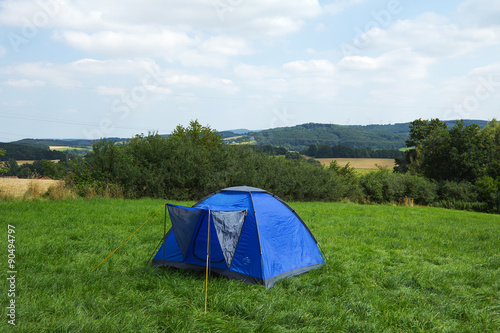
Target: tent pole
x=208 y=262
x=164 y=233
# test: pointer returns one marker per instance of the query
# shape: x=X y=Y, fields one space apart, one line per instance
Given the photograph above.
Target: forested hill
x=293 y=138
x=373 y=136
x=46 y=143
x=24 y=152
x=405 y=127
x=301 y=136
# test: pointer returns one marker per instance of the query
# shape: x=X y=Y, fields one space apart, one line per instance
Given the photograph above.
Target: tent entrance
x=190 y=227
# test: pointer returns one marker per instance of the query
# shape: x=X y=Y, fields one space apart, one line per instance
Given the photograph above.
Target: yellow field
x=59 y=147
x=21 y=162
x=360 y=163
x=19 y=187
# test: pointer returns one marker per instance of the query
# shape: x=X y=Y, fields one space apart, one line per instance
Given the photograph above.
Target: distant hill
x=301 y=136
x=405 y=127
x=296 y=138
x=356 y=136
x=74 y=143
x=241 y=131
x=24 y=152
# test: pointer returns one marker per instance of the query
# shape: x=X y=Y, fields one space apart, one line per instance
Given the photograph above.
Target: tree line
x=37 y=169
x=457 y=167
x=192 y=162
x=465 y=159
x=342 y=151
x=23 y=152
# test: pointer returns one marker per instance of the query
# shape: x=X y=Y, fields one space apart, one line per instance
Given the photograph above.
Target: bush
x=184 y=168
x=422 y=190
x=462 y=205
x=386 y=186
x=60 y=192
x=487 y=188
x=383 y=186
x=462 y=191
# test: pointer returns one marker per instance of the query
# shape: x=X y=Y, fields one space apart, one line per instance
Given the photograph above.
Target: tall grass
x=33 y=190
x=388 y=269
x=60 y=192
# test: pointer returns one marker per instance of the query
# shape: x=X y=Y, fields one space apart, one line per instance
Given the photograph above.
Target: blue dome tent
x=254 y=237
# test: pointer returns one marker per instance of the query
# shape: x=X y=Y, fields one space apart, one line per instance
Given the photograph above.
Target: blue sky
x=108 y=68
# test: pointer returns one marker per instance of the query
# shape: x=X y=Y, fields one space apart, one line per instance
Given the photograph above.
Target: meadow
x=388 y=269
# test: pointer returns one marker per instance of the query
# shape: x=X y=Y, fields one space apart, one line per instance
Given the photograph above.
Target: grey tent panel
x=243 y=189
x=228 y=225
x=184 y=222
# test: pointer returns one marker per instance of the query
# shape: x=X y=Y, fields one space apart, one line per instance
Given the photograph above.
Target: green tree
x=324 y=151
x=2 y=166
x=461 y=153
x=12 y=167
x=312 y=150
x=198 y=135
x=420 y=129
x=490 y=136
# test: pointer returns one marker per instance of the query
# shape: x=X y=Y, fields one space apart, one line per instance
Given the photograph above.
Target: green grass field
x=388 y=269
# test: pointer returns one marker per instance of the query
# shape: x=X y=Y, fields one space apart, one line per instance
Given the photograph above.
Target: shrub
x=462 y=191
x=487 y=188
x=60 y=192
x=462 y=205
x=422 y=190
x=33 y=190
x=383 y=186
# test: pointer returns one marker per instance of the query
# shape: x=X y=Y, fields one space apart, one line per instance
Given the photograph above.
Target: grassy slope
x=389 y=269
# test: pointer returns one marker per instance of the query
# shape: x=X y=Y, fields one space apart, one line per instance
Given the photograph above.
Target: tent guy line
x=130 y=236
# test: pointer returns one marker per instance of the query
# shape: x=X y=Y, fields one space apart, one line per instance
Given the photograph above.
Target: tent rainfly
x=254 y=237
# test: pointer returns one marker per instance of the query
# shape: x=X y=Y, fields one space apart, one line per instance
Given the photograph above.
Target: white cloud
x=481 y=81
x=132 y=44
x=3 y=51
x=24 y=83
x=225 y=46
x=317 y=67
x=85 y=72
x=103 y=90
x=391 y=67
x=274 y=17
x=432 y=35
x=276 y=26
x=338 y=6
x=480 y=13
x=16 y=104
x=251 y=72
x=358 y=63
x=72 y=74
x=313 y=78
x=172 y=46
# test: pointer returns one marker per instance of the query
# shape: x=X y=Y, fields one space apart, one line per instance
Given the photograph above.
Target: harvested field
x=21 y=162
x=360 y=163
x=59 y=147
x=19 y=187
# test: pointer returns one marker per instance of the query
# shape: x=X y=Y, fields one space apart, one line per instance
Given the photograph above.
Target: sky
x=116 y=68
